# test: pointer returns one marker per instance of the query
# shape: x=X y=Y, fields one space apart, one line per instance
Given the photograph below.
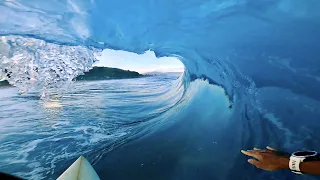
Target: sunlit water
x=39 y=136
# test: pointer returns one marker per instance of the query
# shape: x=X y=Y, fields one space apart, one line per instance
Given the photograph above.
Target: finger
x=256 y=163
x=256 y=149
x=271 y=149
x=254 y=154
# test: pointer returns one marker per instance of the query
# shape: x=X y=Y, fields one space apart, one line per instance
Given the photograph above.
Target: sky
x=142 y=63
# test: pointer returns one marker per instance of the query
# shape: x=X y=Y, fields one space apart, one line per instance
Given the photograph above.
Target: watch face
x=305 y=153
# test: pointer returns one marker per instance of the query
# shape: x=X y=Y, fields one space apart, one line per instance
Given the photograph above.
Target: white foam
x=276 y=121
x=34 y=63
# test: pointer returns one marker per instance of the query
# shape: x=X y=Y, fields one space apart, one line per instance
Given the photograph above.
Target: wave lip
x=29 y=62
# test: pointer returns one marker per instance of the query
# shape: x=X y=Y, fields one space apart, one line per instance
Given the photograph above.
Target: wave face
x=262 y=55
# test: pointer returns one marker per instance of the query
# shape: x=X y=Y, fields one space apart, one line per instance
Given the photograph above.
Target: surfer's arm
x=271 y=160
x=311 y=167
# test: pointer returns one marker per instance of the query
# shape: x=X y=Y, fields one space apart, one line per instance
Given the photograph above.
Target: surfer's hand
x=268 y=159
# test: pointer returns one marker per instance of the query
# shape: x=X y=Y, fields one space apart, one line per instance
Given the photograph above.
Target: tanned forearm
x=311 y=167
x=270 y=160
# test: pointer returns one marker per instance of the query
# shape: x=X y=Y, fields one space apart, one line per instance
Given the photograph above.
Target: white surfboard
x=81 y=169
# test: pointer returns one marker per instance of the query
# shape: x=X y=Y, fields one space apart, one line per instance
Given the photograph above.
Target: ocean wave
x=232 y=48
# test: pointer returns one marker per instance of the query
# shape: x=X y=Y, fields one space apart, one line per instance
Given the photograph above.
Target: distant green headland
x=100 y=73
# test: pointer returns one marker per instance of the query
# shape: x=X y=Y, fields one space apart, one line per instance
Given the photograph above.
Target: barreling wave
x=57 y=38
x=239 y=46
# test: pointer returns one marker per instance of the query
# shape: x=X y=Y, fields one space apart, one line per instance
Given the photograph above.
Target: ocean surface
x=40 y=137
x=251 y=79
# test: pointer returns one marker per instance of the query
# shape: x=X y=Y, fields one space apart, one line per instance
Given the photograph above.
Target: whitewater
x=251 y=79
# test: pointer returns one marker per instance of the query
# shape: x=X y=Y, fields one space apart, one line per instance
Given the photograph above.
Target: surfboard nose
x=81 y=169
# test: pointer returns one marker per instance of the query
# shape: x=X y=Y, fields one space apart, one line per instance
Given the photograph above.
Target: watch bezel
x=304 y=154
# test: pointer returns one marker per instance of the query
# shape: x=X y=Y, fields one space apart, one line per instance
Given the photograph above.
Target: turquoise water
x=251 y=79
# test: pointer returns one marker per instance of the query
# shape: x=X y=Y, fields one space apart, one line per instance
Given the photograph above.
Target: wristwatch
x=301 y=156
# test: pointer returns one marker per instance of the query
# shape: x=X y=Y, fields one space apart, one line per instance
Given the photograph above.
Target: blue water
x=252 y=79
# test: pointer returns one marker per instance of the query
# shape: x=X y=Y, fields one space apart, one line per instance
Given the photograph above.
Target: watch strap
x=312 y=158
x=294 y=164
